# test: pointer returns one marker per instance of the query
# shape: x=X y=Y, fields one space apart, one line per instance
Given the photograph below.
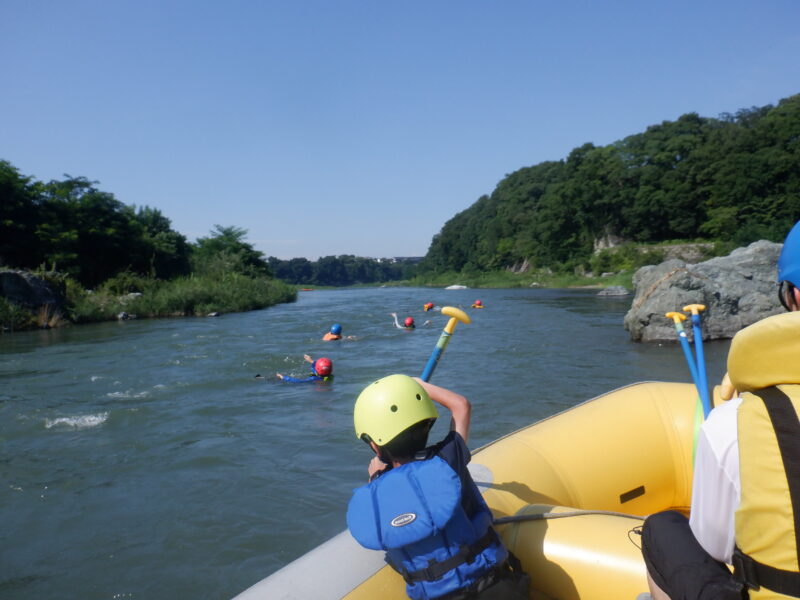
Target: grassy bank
x=618 y=264
x=185 y=296
x=507 y=279
x=149 y=298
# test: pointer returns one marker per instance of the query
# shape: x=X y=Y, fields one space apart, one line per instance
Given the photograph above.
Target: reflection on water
x=144 y=459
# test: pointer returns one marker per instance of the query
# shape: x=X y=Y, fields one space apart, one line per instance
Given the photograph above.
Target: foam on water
x=128 y=394
x=79 y=422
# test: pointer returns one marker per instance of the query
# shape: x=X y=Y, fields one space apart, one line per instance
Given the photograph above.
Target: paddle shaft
x=687 y=352
x=438 y=350
x=702 y=377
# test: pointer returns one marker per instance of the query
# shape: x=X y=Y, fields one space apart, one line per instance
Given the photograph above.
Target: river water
x=144 y=459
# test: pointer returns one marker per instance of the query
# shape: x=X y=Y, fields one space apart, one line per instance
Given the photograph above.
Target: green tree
x=88 y=233
x=226 y=251
x=167 y=250
x=20 y=215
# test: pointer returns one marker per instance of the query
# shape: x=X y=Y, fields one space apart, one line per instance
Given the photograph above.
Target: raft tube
x=618 y=457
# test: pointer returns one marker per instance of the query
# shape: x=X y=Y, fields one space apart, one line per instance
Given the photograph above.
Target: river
x=144 y=460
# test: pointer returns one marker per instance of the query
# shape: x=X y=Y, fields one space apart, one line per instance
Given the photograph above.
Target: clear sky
x=359 y=127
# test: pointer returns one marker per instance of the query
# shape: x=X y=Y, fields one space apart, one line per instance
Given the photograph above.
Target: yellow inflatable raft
x=618 y=457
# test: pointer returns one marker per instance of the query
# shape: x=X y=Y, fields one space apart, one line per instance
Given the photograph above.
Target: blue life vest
x=414 y=513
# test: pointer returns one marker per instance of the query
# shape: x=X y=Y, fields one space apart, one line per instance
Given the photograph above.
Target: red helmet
x=477 y=302
x=429 y=306
x=323 y=367
x=409 y=322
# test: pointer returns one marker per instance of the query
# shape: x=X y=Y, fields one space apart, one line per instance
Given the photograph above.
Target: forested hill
x=736 y=178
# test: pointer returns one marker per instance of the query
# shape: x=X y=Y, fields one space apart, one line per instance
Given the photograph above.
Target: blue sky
x=344 y=127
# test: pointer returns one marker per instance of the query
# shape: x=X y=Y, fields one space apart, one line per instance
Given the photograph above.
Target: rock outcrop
x=29 y=290
x=614 y=290
x=737 y=290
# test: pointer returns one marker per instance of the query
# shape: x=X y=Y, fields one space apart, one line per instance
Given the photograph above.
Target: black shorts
x=506 y=582
x=680 y=566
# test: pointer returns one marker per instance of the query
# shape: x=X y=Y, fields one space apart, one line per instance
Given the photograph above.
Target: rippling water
x=144 y=460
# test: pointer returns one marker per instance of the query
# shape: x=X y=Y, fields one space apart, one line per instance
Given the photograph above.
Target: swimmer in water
x=336 y=334
x=408 y=322
x=321 y=370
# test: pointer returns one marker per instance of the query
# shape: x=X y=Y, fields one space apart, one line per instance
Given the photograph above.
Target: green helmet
x=389 y=406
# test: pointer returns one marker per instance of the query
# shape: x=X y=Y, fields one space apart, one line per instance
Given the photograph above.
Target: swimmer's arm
x=396 y=322
x=290 y=379
x=459 y=407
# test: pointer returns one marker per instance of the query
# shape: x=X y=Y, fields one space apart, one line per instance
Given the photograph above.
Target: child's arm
x=396 y=322
x=458 y=405
x=308 y=359
x=375 y=467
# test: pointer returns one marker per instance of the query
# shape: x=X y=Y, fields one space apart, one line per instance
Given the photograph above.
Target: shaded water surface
x=144 y=460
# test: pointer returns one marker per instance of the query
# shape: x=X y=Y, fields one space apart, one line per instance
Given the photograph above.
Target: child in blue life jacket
x=421 y=505
x=321 y=370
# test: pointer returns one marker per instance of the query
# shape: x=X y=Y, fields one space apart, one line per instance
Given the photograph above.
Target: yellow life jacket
x=764 y=365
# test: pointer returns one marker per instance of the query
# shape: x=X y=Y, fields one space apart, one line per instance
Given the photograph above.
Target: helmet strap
x=787 y=295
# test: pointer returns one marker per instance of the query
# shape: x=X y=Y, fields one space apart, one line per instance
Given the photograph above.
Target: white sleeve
x=715 y=486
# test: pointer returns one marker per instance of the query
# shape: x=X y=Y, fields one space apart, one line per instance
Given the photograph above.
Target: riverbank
x=509 y=279
x=128 y=296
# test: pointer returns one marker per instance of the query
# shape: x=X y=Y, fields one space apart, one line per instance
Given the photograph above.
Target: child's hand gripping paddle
x=455 y=315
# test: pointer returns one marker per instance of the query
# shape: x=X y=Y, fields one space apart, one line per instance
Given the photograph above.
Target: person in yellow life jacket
x=746 y=488
x=428 y=306
x=477 y=304
x=788 y=289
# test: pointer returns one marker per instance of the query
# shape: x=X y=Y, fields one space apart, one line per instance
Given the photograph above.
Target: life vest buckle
x=744 y=569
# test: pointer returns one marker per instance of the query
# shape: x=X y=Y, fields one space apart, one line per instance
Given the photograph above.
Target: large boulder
x=29 y=290
x=737 y=290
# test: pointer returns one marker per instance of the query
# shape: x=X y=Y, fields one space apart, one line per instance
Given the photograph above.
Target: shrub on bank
x=201 y=295
x=147 y=297
x=506 y=279
x=14 y=317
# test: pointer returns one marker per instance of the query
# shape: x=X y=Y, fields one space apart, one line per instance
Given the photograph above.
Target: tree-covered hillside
x=734 y=178
x=75 y=228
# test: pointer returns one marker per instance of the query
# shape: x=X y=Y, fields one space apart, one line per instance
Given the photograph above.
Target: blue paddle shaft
x=444 y=339
x=701 y=365
x=687 y=352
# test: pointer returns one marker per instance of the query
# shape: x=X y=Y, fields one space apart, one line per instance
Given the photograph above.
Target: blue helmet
x=789 y=260
x=336 y=329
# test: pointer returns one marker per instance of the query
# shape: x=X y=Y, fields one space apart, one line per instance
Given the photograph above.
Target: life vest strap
x=755 y=575
x=787 y=432
x=465 y=554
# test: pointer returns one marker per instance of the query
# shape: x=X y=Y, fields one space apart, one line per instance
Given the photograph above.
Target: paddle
x=678 y=319
x=455 y=315
x=701 y=360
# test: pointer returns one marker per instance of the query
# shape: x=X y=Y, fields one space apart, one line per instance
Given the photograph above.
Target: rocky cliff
x=737 y=290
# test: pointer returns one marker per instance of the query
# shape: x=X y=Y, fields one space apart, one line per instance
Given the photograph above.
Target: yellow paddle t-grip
x=456 y=315
x=676 y=317
x=694 y=308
